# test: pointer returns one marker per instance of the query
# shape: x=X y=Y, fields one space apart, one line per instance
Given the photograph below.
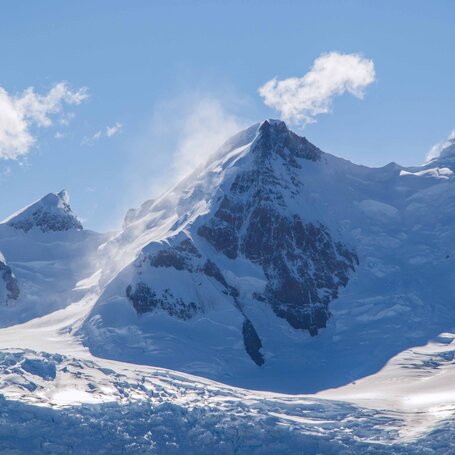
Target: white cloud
x=97 y=135
x=19 y=113
x=436 y=150
x=66 y=118
x=112 y=130
x=301 y=99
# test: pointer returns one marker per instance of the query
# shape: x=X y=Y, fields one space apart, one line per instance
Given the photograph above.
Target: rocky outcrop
x=146 y=300
x=183 y=257
x=252 y=342
x=9 y=288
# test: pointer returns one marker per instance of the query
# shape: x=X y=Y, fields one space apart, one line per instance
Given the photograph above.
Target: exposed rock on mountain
x=303 y=266
x=9 y=289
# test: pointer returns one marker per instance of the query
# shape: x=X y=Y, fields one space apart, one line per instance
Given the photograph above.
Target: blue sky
x=157 y=72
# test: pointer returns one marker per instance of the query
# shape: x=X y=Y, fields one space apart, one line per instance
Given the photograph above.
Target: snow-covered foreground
x=58 y=398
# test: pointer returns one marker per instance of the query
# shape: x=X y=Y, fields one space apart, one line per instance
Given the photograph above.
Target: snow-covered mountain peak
x=234 y=240
x=272 y=124
x=273 y=136
x=50 y=213
x=261 y=149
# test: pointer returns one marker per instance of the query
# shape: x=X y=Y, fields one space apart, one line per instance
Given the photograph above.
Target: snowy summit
x=51 y=213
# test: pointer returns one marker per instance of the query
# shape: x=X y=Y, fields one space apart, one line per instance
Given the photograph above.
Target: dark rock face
x=303 y=265
x=252 y=342
x=47 y=222
x=12 y=289
x=146 y=300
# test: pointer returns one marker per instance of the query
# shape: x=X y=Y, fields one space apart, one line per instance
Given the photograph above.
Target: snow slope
x=84 y=369
x=60 y=399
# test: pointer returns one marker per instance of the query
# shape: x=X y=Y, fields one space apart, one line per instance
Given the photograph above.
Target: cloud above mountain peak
x=301 y=99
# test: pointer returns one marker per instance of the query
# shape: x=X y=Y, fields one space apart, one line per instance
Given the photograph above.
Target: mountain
x=49 y=254
x=52 y=213
x=229 y=240
x=277 y=257
x=275 y=266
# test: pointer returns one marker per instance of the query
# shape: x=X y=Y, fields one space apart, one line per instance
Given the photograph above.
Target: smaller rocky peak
x=52 y=213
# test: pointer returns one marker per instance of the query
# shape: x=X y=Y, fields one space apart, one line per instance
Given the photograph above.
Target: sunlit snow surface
x=383 y=370
x=55 y=403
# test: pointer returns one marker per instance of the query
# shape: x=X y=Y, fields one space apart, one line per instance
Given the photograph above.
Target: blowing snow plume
x=301 y=99
x=436 y=149
x=182 y=134
x=202 y=130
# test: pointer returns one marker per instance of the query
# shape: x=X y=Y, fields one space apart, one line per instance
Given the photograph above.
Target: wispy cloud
x=66 y=118
x=300 y=99
x=108 y=132
x=436 y=149
x=97 y=135
x=113 y=130
x=20 y=113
